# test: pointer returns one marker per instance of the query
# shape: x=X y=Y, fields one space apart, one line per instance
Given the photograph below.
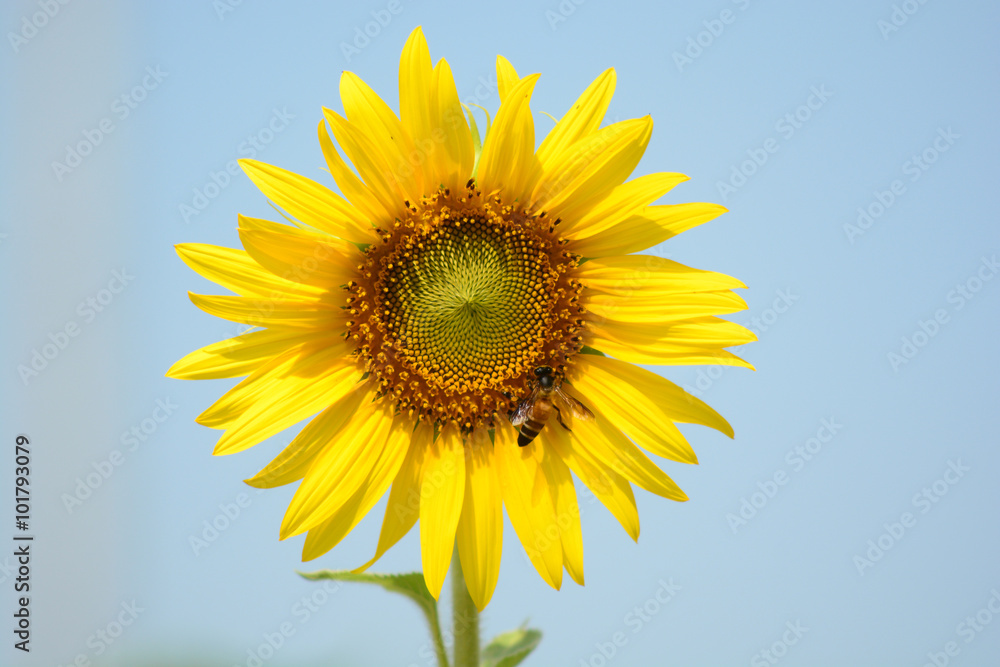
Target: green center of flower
x=459 y=304
x=468 y=300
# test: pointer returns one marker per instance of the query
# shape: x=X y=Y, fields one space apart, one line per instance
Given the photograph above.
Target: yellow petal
x=442 y=492
x=293 y=399
x=328 y=534
x=644 y=423
x=385 y=180
x=299 y=359
x=608 y=445
x=632 y=274
x=664 y=353
x=560 y=483
x=507 y=163
x=681 y=342
x=624 y=201
x=644 y=390
x=477 y=143
x=650 y=306
x=340 y=470
x=583 y=117
x=246 y=222
x=706 y=331
x=294 y=460
x=322 y=263
x=529 y=505
x=309 y=202
x=353 y=187
x=451 y=138
x=613 y=490
x=235 y=270
x=369 y=113
x=638 y=232
x=415 y=74
x=271 y=313
x=589 y=170
x=507 y=77
x=480 y=529
x=403 y=508
x=234 y=357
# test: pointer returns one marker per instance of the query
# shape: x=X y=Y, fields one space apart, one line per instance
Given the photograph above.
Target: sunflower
x=458 y=282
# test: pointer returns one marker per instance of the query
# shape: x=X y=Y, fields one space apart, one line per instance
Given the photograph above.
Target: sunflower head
x=458 y=302
x=456 y=292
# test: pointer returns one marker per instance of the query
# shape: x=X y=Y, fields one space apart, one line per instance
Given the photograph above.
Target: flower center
x=461 y=301
x=468 y=298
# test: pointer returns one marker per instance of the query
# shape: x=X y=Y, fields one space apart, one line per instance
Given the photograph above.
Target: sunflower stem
x=466 y=617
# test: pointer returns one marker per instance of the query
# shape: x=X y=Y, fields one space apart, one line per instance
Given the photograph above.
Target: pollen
x=460 y=302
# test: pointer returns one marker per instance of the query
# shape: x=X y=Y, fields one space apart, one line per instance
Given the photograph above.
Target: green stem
x=439 y=650
x=466 y=617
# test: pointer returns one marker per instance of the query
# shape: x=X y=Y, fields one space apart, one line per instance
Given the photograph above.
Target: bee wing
x=574 y=407
x=523 y=410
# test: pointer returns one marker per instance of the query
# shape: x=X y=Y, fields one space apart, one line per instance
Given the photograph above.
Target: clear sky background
x=888 y=108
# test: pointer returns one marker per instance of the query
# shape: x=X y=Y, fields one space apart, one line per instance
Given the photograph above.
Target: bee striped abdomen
x=529 y=430
x=535 y=422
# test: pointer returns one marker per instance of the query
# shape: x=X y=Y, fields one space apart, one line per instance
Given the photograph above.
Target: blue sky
x=850 y=521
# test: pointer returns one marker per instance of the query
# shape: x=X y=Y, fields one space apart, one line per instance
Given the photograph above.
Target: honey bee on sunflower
x=455 y=290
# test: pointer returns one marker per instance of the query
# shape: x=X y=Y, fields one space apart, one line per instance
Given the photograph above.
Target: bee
x=533 y=412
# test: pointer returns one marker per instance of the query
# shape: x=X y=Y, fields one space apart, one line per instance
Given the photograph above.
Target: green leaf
x=510 y=648
x=411 y=584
